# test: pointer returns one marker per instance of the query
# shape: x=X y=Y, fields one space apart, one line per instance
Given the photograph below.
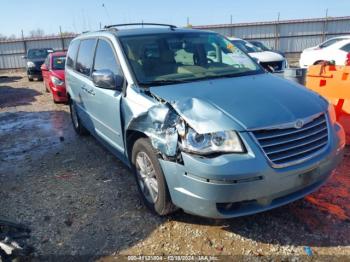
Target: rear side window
x=105 y=58
x=346 y=48
x=72 y=53
x=85 y=56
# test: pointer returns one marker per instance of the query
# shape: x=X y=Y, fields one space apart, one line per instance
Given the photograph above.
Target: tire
x=30 y=79
x=161 y=204
x=77 y=125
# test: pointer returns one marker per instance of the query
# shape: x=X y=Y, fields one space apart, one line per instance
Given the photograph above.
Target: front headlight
x=30 y=64
x=219 y=142
x=332 y=114
x=57 y=81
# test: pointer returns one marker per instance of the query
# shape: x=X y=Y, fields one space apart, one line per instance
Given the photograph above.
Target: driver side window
x=105 y=58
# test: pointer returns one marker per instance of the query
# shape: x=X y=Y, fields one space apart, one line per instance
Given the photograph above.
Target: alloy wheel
x=146 y=176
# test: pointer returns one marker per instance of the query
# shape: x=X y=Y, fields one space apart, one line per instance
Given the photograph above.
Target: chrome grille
x=289 y=146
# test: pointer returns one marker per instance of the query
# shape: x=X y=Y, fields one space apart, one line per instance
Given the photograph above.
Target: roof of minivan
x=145 y=31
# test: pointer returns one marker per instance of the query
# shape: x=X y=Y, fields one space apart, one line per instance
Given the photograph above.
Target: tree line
x=33 y=33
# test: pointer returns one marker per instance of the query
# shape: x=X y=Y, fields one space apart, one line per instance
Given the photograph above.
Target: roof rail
x=172 y=27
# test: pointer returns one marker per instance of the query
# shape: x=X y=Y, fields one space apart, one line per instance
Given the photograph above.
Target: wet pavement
x=78 y=199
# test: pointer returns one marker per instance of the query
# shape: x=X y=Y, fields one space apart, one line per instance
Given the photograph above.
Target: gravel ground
x=79 y=200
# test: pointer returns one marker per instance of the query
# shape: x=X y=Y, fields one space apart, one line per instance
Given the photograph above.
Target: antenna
x=106 y=11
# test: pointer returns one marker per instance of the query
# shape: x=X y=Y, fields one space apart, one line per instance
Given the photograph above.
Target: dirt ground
x=79 y=200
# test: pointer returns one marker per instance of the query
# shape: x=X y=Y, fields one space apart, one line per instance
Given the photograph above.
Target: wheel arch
x=131 y=137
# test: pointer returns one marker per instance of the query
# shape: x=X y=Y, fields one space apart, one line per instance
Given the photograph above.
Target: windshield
x=331 y=42
x=181 y=57
x=37 y=53
x=246 y=46
x=58 y=62
x=260 y=45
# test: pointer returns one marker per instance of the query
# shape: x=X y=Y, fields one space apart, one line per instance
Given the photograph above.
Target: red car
x=53 y=76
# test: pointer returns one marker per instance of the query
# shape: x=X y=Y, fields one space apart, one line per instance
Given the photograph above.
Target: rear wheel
x=77 y=125
x=150 y=178
x=30 y=79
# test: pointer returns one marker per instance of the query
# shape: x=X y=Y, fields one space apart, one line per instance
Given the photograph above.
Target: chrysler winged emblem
x=299 y=124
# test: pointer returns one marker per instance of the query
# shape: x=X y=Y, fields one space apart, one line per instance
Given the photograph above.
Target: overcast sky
x=83 y=15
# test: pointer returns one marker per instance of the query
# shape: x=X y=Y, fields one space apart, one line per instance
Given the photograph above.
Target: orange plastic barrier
x=333 y=83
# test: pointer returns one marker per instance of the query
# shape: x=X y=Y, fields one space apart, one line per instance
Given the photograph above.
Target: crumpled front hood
x=267 y=56
x=240 y=103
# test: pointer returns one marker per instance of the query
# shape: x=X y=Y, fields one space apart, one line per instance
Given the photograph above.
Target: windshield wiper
x=216 y=76
x=164 y=82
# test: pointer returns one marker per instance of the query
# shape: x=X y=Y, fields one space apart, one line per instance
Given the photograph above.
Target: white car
x=271 y=61
x=334 y=49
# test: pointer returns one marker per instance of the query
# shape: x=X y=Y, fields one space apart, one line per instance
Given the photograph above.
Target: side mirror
x=107 y=79
x=44 y=68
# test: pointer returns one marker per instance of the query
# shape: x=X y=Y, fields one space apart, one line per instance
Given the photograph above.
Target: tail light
x=347 y=60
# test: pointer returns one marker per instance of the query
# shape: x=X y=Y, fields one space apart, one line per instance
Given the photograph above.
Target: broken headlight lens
x=219 y=142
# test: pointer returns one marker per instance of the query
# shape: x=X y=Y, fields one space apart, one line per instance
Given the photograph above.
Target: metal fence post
x=325 y=25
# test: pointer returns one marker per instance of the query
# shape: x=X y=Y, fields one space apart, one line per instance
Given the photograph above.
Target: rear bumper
x=237 y=185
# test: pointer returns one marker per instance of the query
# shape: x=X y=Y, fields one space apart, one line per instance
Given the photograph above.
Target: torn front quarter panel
x=158 y=123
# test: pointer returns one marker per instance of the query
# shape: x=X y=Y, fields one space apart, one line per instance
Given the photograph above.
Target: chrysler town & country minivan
x=202 y=126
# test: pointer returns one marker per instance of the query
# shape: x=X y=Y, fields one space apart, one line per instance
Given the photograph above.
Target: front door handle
x=89 y=91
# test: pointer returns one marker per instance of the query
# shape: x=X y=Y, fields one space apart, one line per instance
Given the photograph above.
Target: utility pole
x=231 y=25
x=188 y=22
x=24 y=43
x=325 y=27
x=277 y=31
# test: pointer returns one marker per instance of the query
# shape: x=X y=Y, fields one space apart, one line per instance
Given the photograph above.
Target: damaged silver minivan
x=203 y=127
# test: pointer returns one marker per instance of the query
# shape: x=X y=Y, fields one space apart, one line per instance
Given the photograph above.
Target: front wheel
x=77 y=125
x=150 y=178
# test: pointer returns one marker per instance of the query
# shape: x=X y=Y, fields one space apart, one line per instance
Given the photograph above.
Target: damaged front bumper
x=234 y=185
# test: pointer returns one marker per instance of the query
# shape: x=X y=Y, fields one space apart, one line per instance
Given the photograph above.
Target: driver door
x=104 y=105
